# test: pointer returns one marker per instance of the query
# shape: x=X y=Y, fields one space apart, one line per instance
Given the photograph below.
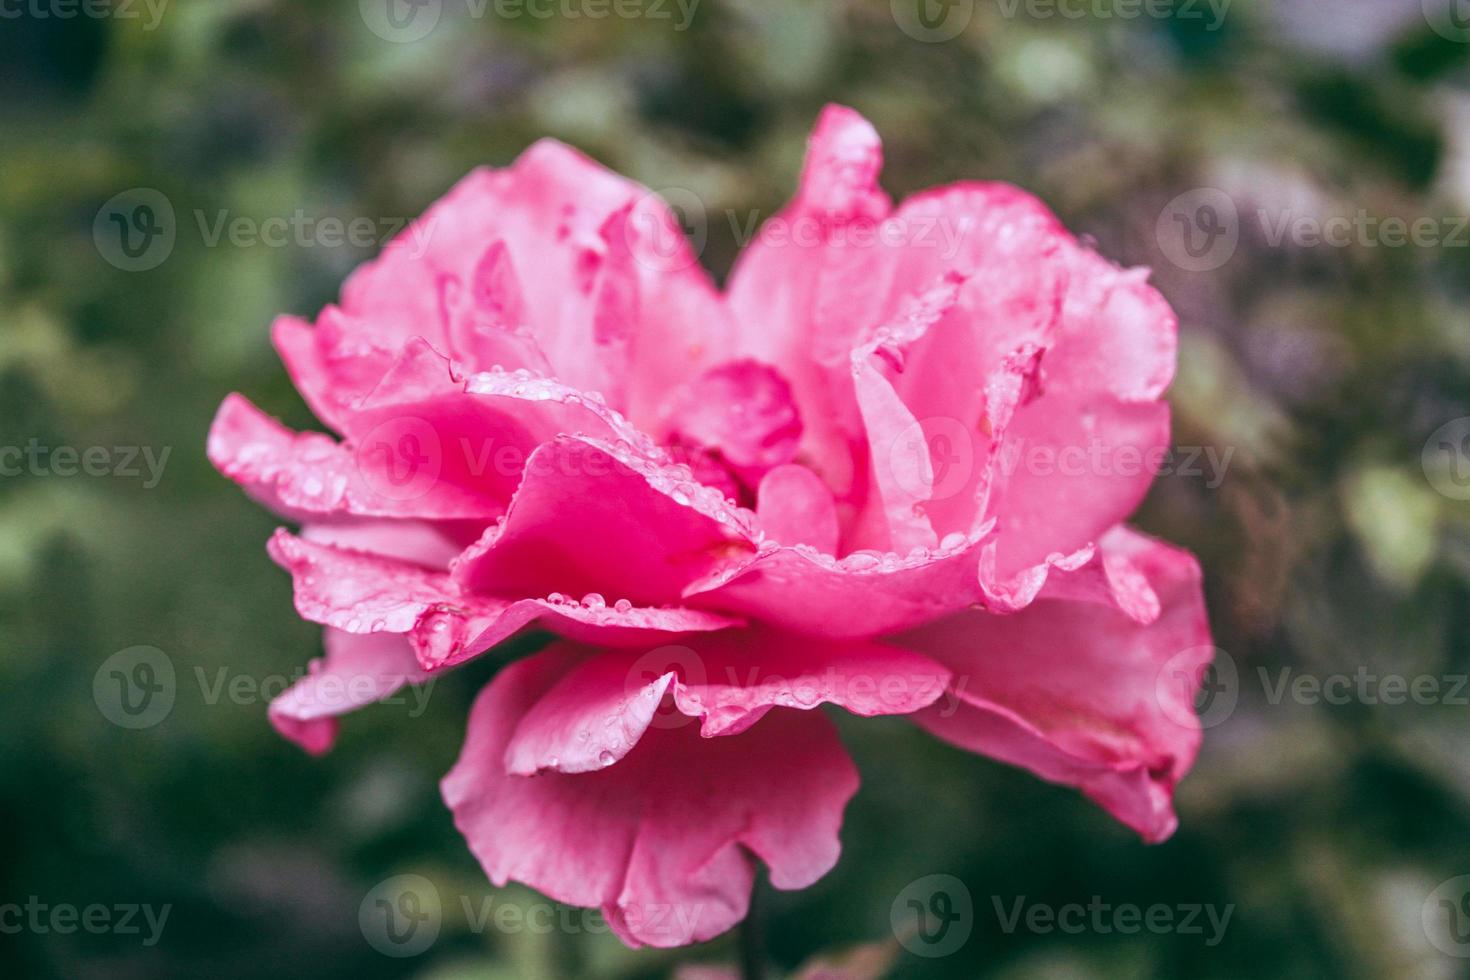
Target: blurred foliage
x=1324 y=369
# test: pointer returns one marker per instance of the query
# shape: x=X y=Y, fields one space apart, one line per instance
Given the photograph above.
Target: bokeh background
x=1336 y=541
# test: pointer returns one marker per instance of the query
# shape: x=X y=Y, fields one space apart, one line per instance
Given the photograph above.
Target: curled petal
x=309 y=476
x=1080 y=693
x=358 y=670
x=363 y=593
x=865 y=593
x=592 y=516
x=665 y=842
x=743 y=412
x=596 y=714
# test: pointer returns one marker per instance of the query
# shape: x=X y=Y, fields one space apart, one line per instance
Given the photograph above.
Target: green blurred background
x=1337 y=542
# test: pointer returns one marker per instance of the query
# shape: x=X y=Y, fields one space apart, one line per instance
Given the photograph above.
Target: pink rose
x=886 y=469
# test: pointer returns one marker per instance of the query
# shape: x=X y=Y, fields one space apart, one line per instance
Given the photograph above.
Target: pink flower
x=886 y=469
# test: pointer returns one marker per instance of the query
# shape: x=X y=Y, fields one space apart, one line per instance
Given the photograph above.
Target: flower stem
x=753 y=934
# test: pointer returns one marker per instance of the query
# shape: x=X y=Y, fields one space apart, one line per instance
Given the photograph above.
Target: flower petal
x=309 y=476
x=365 y=593
x=451 y=277
x=592 y=516
x=358 y=670
x=863 y=594
x=594 y=715
x=803 y=290
x=1076 y=692
x=742 y=411
x=427 y=423
x=665 y=842
x=795 y=507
